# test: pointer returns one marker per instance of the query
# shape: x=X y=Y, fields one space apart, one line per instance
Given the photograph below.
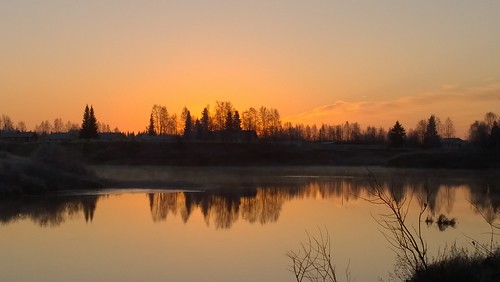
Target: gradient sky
x=373 y=62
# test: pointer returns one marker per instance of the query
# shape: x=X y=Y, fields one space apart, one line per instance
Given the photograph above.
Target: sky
x=371 y=62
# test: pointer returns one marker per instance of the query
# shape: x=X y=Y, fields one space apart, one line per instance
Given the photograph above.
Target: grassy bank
x=221 y=154
x=266 y=154
x=437 y=158
x=46 y=168
x=38 y=167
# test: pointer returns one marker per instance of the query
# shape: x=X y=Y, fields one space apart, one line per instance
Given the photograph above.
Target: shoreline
x=264 y=154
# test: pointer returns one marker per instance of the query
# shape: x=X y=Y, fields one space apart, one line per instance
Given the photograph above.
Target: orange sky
x=315 y=61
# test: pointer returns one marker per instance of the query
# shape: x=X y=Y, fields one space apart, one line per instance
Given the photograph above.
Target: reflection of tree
x=89 y=205
x=445 y=198
x=265 y=206
x=486 y=202
x=262 y=202
x=161 y=204
x=48 y=210
x=223 y=211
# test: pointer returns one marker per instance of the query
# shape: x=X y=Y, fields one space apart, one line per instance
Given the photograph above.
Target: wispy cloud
x=462 y=104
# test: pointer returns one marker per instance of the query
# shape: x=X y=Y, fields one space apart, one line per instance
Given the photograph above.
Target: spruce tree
x=85 y=122
x=188 y=126
x=494 y=142
x=397 y=135
x=151 y=127
x=89 y=124
x=205 y=121
x=236 y=121
x=93 y=128
x=229 y=121
x=431 y=137
x=198 y=129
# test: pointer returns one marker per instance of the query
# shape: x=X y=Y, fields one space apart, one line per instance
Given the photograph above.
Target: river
x=233 y=224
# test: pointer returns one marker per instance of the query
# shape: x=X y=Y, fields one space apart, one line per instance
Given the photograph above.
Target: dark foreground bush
x=462 y=266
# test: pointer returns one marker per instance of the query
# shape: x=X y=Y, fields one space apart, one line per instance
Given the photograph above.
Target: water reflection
x=47 y=210
x=263 y=202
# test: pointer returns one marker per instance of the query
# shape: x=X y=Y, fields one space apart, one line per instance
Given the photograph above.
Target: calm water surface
x=228 y=224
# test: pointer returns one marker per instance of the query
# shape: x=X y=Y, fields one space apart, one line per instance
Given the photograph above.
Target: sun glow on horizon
x=324 y=62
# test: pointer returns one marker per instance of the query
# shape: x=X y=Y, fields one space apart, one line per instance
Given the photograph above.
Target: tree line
x=267 y=124
x=46 y=127
x=428 y=133
x=223 y=116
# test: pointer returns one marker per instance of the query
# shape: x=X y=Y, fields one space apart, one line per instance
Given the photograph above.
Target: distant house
x=112 y=136
x=143 y=137
x=61 y=136
x=452 y=143
x=18 y=137
x=239 y=136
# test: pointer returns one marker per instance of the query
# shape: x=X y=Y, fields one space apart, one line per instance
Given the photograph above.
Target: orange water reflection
x=230 y=232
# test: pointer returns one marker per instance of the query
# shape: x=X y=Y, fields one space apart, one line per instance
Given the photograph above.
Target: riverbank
x=47 y=168
x=39 y=167
x=266 y=154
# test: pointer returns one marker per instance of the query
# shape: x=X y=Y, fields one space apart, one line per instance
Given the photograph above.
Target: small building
x=112 y=136
x=18 y=137
x=143 y=137
x=62 y=136
x=452 y=143
x=238 y=136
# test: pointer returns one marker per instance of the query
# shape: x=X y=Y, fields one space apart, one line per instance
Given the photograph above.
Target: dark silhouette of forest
x=223 y=135
x=224 y=120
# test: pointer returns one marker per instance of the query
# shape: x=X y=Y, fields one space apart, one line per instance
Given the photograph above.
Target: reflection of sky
x=130 y=239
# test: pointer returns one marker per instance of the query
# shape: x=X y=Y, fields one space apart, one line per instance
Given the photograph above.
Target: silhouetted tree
x=183 y=117
x=21 y=126
x=431 y=138
x=495 y=136
x=479 y=133
x=71 y=126
x=6 y=123
x=89 y=124
x=448 y=128
x=93 y=128
x=236 y=121
x=229 y=121
x=85 y=123
x=103 y=127
x=268 y=122
x=250 y=119
x=204 y=123
x=188 y=123
x=164 y=123
x=198 y=129
x=151 y=126
x=58 y=125
x=172 y=124
x=419 y=132
x=485 y=133
x=220 y=115
x=490 y=118
x=397 y=135
x=43 y=128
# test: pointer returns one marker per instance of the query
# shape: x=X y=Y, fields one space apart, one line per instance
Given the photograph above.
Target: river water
x=233 y=224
